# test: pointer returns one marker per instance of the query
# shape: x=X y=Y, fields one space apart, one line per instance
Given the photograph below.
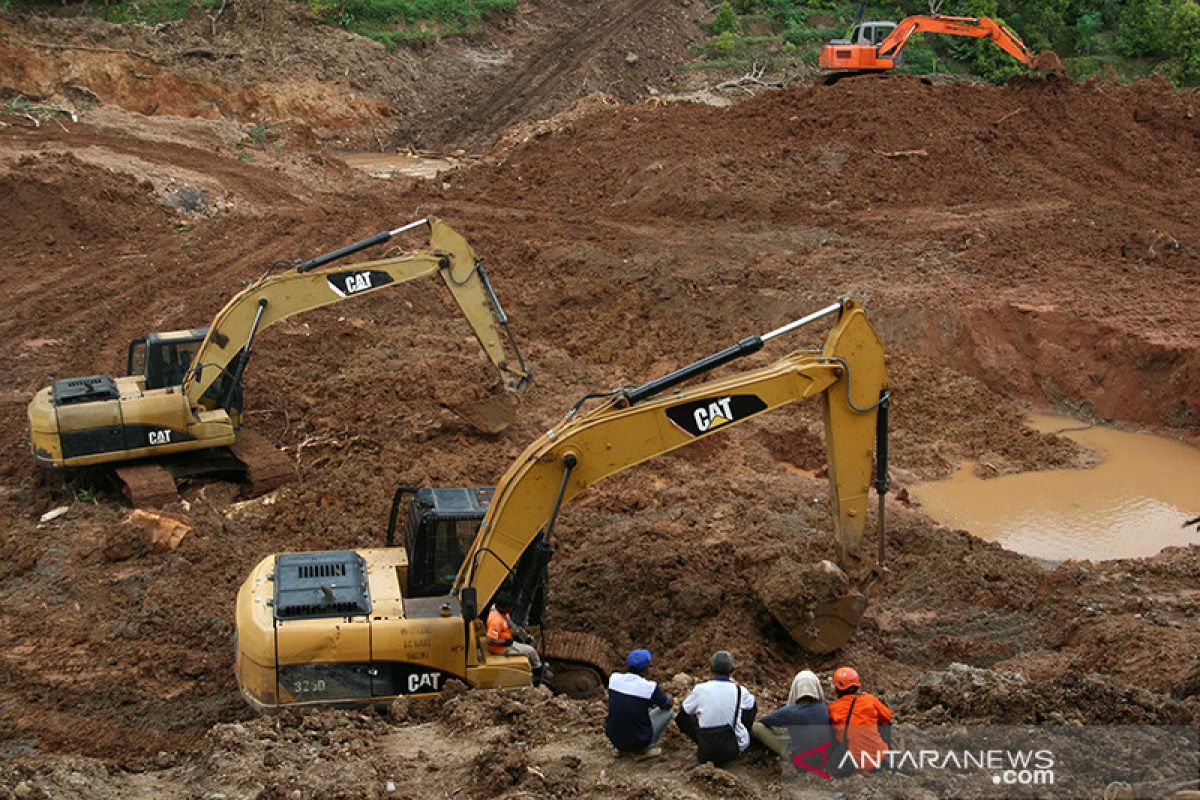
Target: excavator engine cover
x=90 y=388
x=315 y=585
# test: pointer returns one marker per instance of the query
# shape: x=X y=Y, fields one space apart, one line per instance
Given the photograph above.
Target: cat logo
x=159 y=437
x=423 y=681
x=346 y=284
x=715 y=415
x=699 y=417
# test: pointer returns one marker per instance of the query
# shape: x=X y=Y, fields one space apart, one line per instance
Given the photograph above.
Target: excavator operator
x=502 y=635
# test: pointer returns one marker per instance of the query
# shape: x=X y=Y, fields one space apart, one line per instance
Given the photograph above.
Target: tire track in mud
x=517 y=96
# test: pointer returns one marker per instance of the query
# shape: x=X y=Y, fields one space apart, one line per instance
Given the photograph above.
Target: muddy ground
x=1024 y=246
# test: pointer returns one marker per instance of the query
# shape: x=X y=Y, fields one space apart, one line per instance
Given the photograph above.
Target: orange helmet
x=845 y=677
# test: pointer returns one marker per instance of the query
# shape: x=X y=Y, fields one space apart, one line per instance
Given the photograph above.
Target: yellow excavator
x=360 y=626
x=183 y=389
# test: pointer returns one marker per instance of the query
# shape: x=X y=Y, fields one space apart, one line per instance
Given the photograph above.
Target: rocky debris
x=54 y=513
x=144 y=531
x=964 y=694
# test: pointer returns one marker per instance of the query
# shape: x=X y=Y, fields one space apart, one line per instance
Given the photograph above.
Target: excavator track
x=147 y=485
x=581 y=662
x=253 y=459
x=267 y=468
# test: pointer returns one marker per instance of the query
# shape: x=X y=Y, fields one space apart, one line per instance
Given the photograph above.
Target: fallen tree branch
x=903 y=153
x=1010 y=114
x=89 y=48
x=751 y=78
x=212 y=18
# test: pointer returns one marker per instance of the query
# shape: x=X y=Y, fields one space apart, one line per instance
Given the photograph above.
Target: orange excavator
x=878 y=46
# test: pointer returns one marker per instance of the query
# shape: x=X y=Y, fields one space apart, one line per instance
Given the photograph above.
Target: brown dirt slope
x=268 y=61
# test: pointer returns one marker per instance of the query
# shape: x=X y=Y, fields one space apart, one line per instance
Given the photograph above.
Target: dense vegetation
x=395 y=21
x=1119 y=39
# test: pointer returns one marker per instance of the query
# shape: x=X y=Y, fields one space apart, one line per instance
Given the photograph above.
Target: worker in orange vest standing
x=503 y=635
x=861 y=722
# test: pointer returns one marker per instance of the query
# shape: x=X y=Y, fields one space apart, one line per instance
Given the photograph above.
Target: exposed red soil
x=269 y=61
x=1041 y=252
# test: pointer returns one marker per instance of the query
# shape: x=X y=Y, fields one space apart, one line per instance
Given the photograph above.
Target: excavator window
x=436 y=547
x=168 y=358
x=872 y=33
x=135 y=358
x=451 y=540
x=441 y=525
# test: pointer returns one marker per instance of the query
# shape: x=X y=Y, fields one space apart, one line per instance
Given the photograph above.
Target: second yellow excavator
x=183 y=391
x=359 y=626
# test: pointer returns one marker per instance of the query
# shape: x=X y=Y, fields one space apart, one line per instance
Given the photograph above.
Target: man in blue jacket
x=638 y=709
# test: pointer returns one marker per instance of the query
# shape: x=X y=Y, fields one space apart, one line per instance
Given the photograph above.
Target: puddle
x=1132 y=504
x=389 y=165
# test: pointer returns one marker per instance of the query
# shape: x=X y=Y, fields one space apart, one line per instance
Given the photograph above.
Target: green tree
x=1143 y=28
x=724 y=44
x=1087 y=26
x=726 y=21
x=1184 y=31
x=1041 y=24
x=982 y=55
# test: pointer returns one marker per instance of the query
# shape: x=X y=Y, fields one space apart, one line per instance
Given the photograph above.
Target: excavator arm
x=222 y=358
x=632 y=427
x=973 y=27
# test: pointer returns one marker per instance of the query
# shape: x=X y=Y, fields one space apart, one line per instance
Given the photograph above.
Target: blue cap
x=638 y=660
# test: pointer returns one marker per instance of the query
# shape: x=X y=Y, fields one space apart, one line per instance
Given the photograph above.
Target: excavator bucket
x=832 y=624
x=813 y=602
x=491 y=415
x=1048 y=61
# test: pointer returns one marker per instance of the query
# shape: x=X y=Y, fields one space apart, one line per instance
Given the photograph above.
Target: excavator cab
x=439 y=525
x=164 y=358
x=872 y=33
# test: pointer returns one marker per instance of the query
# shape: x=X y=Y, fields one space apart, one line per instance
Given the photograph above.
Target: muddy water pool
x=1132 y=504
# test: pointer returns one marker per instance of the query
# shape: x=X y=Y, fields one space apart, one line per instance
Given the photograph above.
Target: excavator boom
x=849 y=373
x=278 y=296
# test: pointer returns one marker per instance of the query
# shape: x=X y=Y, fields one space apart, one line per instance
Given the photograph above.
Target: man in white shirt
x=717 y=715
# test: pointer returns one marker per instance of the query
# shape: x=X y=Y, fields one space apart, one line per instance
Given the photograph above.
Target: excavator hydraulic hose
x=362 y=244
x=751 y=344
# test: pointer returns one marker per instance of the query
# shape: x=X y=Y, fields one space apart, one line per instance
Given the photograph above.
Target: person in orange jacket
x=868 y=735
x=503 y=634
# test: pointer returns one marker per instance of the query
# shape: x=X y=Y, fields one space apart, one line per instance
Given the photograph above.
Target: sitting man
x=638 y=709
x=802 y=725
x=717 y=715
x=860 y=721
x=500 y=636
